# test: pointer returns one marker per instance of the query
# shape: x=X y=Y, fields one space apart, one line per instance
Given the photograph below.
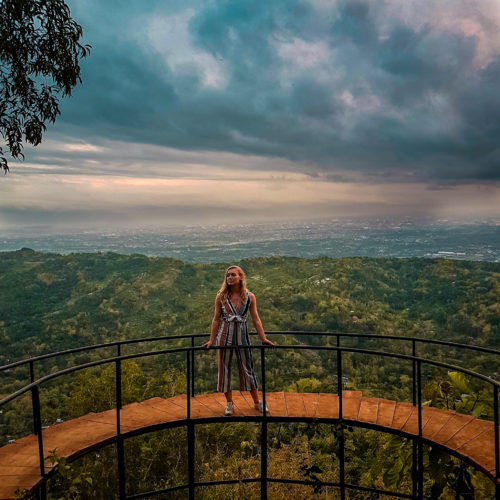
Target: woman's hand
x=207 y=345
x=266 y=342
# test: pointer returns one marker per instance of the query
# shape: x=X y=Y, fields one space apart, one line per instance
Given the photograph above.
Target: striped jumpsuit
x=233 y=330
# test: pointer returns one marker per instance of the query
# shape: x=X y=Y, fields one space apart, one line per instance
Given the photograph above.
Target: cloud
x=310 y=93
x=358 y=85
x=81 y=147
x=169 y=35
x=215 y=195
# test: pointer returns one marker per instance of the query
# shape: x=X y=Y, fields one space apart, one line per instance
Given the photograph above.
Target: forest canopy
x=54 y=302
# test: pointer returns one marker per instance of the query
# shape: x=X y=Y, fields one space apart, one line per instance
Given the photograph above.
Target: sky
x=218 y=111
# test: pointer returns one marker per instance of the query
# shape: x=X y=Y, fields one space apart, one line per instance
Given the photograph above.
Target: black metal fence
x=264 y=418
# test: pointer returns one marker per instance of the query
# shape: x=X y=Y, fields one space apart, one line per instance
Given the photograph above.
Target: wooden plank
x=20 y=481
x=411 y=425
x=179 y=400
x=163 y=409
x=70 y=441
x=328 y=406
x=241 y=406
x=22 y=477
x=401 y=414
x=106 y=417
x=20 y=460
x=436 y=422
x=304 y=410
x=25 y=453
x=9 y=483
x=481 y=450
x=351 y=401
x=199 y=410
x=19 y=470
x=137 y=415
x=28 y=457
x=386 y=411
x=368 y=410
x=473 y=430
x=311 y=404
x=172 y=411
x=212 y=403
x=220 y=398
x=276 y=403
x=451 y=428
x=294 y=404
x=249 y=399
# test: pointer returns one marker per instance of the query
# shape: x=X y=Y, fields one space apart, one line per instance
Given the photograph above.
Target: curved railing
x=416 y=361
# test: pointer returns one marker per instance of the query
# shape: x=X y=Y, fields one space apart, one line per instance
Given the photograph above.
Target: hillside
x=53 y=302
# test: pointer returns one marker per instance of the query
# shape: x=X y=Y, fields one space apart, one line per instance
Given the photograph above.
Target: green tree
x=39 y=60
x=95 y=392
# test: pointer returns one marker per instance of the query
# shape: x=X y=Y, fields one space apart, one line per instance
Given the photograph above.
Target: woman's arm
x=257 y=323
x=215 y=325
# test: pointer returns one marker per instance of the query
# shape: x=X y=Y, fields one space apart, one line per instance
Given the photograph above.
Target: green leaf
x=460 y=382
x=394 y=445
x=392 y=475
x=481 y=410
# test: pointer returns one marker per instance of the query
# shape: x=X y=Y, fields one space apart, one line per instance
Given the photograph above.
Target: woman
x=229 y=327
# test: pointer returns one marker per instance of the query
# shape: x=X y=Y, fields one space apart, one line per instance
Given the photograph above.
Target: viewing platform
x=24 y=463
x=469 y=438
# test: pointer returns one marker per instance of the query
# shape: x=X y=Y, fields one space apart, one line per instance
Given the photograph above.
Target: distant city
x=377 y=237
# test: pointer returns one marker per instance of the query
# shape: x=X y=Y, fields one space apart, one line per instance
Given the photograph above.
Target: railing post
x=32 y=372
x=190 y=427
x=341 y=423
x=118 y=380
x=192 y=367
x=414 y=472
x=37 y=421
x=497 y=442
x=339 y=381
x=188 y=384
x=119 y=440
x=414 y=468
x=420 y=468
x=263 y=443
x=414 y=378
x=32 y=379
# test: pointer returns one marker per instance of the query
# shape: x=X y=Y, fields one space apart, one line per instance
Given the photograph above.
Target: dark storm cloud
x=333 y=85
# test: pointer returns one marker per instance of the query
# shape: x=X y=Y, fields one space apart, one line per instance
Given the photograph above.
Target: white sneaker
x=229 y=409
x=259 y=406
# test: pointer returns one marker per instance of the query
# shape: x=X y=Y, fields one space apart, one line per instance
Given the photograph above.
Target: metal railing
x=263 y=419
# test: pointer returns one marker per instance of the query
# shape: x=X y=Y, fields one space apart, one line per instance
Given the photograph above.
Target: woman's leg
x=248 y=381
x=224 y=357
x=255 y=396
x=247 y=375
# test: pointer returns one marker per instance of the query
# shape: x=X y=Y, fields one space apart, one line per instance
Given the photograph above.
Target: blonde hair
x=223 y=293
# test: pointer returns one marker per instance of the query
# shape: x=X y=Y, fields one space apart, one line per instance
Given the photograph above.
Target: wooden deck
x=470 y=438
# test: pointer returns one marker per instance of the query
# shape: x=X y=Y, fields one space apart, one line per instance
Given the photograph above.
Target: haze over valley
x=476 y=240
